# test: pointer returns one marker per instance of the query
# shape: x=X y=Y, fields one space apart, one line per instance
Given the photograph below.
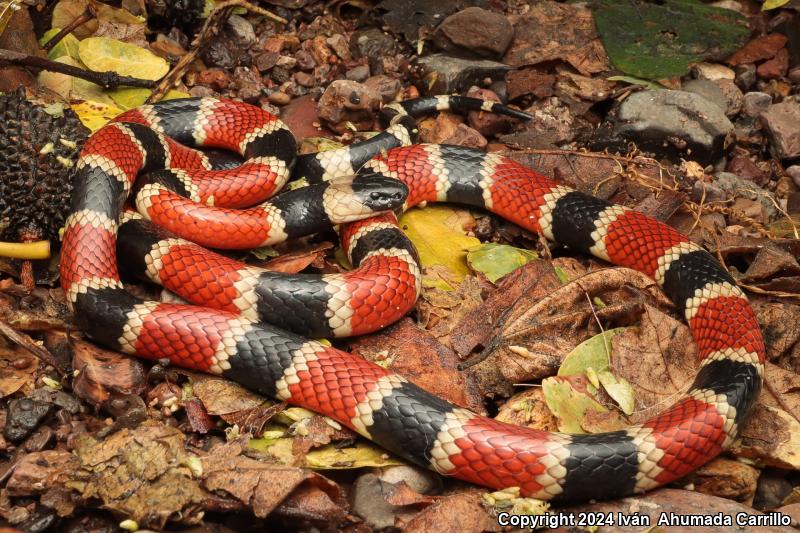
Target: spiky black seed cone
x=38 y=152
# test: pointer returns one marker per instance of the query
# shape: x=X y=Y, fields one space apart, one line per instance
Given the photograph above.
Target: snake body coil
x=223 y=333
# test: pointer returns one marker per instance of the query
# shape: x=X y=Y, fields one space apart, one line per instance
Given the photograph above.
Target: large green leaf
x=659 y=40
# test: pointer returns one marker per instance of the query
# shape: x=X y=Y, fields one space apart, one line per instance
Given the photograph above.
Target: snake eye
x=375 y=195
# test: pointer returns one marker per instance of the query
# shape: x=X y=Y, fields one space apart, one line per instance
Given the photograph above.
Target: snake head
x=348 y=199
x=380 y=193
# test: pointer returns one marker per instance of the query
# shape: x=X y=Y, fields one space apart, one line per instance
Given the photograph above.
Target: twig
x=214 y=22
x=80 y=20
x=24 y=341
x=107 y=80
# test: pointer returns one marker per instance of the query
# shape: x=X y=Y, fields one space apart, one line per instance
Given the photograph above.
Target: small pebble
x=279 y=98
x=756 y=103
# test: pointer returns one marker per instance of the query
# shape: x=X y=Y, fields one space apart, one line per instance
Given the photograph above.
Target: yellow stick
x=28 y=250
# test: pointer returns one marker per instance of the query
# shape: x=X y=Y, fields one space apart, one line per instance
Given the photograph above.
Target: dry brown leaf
x=771 y=436
x=462 y=511
x=141 y=473
x=259 y=485
x=102 y=374
x=222 y=397
x=551 y=31
x=416 y=355
x=659 y=359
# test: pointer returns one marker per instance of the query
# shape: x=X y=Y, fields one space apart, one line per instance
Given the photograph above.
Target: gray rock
x=372 y=43
x=419 y=479
x=385 y=87
x=782 y=124
x=369 y=502
x=736 y=187
x=480 y=31
x=675 y=124
x=745 y=76
x=756 y=103
x=708 y=90
x=734 y=99
x=241 y=31
x=453 y=75
x=359 y=73
x=707 y=192
x=794 y=173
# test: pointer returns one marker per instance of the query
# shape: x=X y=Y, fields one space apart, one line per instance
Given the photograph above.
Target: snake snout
x=383 y=194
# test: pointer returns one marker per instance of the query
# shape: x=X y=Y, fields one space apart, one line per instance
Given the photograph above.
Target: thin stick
x=80 y=20
x=107 y=80
x=24 y=341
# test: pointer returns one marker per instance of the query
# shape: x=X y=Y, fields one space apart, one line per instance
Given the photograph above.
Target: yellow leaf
x=67 y=46
x=130 y=97
x=361 y=455
x=71 y=88
x=103 y=54
x=773 y=4
x=68 y=10
x=438 y=233
x=95 y=115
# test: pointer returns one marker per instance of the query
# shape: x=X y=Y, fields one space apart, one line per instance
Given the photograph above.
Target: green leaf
x=68 y=46
x=497 y=260
x=102 y=54
x=658 y=40
x=619 y=389
x=591 y=353
x=773 y=4
x=568 y=405
x=591 y=359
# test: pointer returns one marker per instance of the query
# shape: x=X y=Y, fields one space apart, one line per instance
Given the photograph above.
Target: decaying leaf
x=95 y=115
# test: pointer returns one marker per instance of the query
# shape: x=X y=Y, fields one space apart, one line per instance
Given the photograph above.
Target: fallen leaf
x=569 y=405
x=129 y=97
x=665 y=39
x=95 y=115
x=102 y=374
x=65 y=11
x=462 y=511
x=102 y=54
x=67 y=46
x=438 y=233
x=496 y=260
x=770 y=436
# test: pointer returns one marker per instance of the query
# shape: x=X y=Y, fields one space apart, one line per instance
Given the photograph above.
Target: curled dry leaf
x=259 y=485
x=529 y=409
x=771 y=436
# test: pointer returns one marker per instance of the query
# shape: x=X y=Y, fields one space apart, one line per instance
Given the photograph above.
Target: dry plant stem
x=107 y=80
x=80 y=20
x=26 y=275
x=24 y=341
x=212 y=26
